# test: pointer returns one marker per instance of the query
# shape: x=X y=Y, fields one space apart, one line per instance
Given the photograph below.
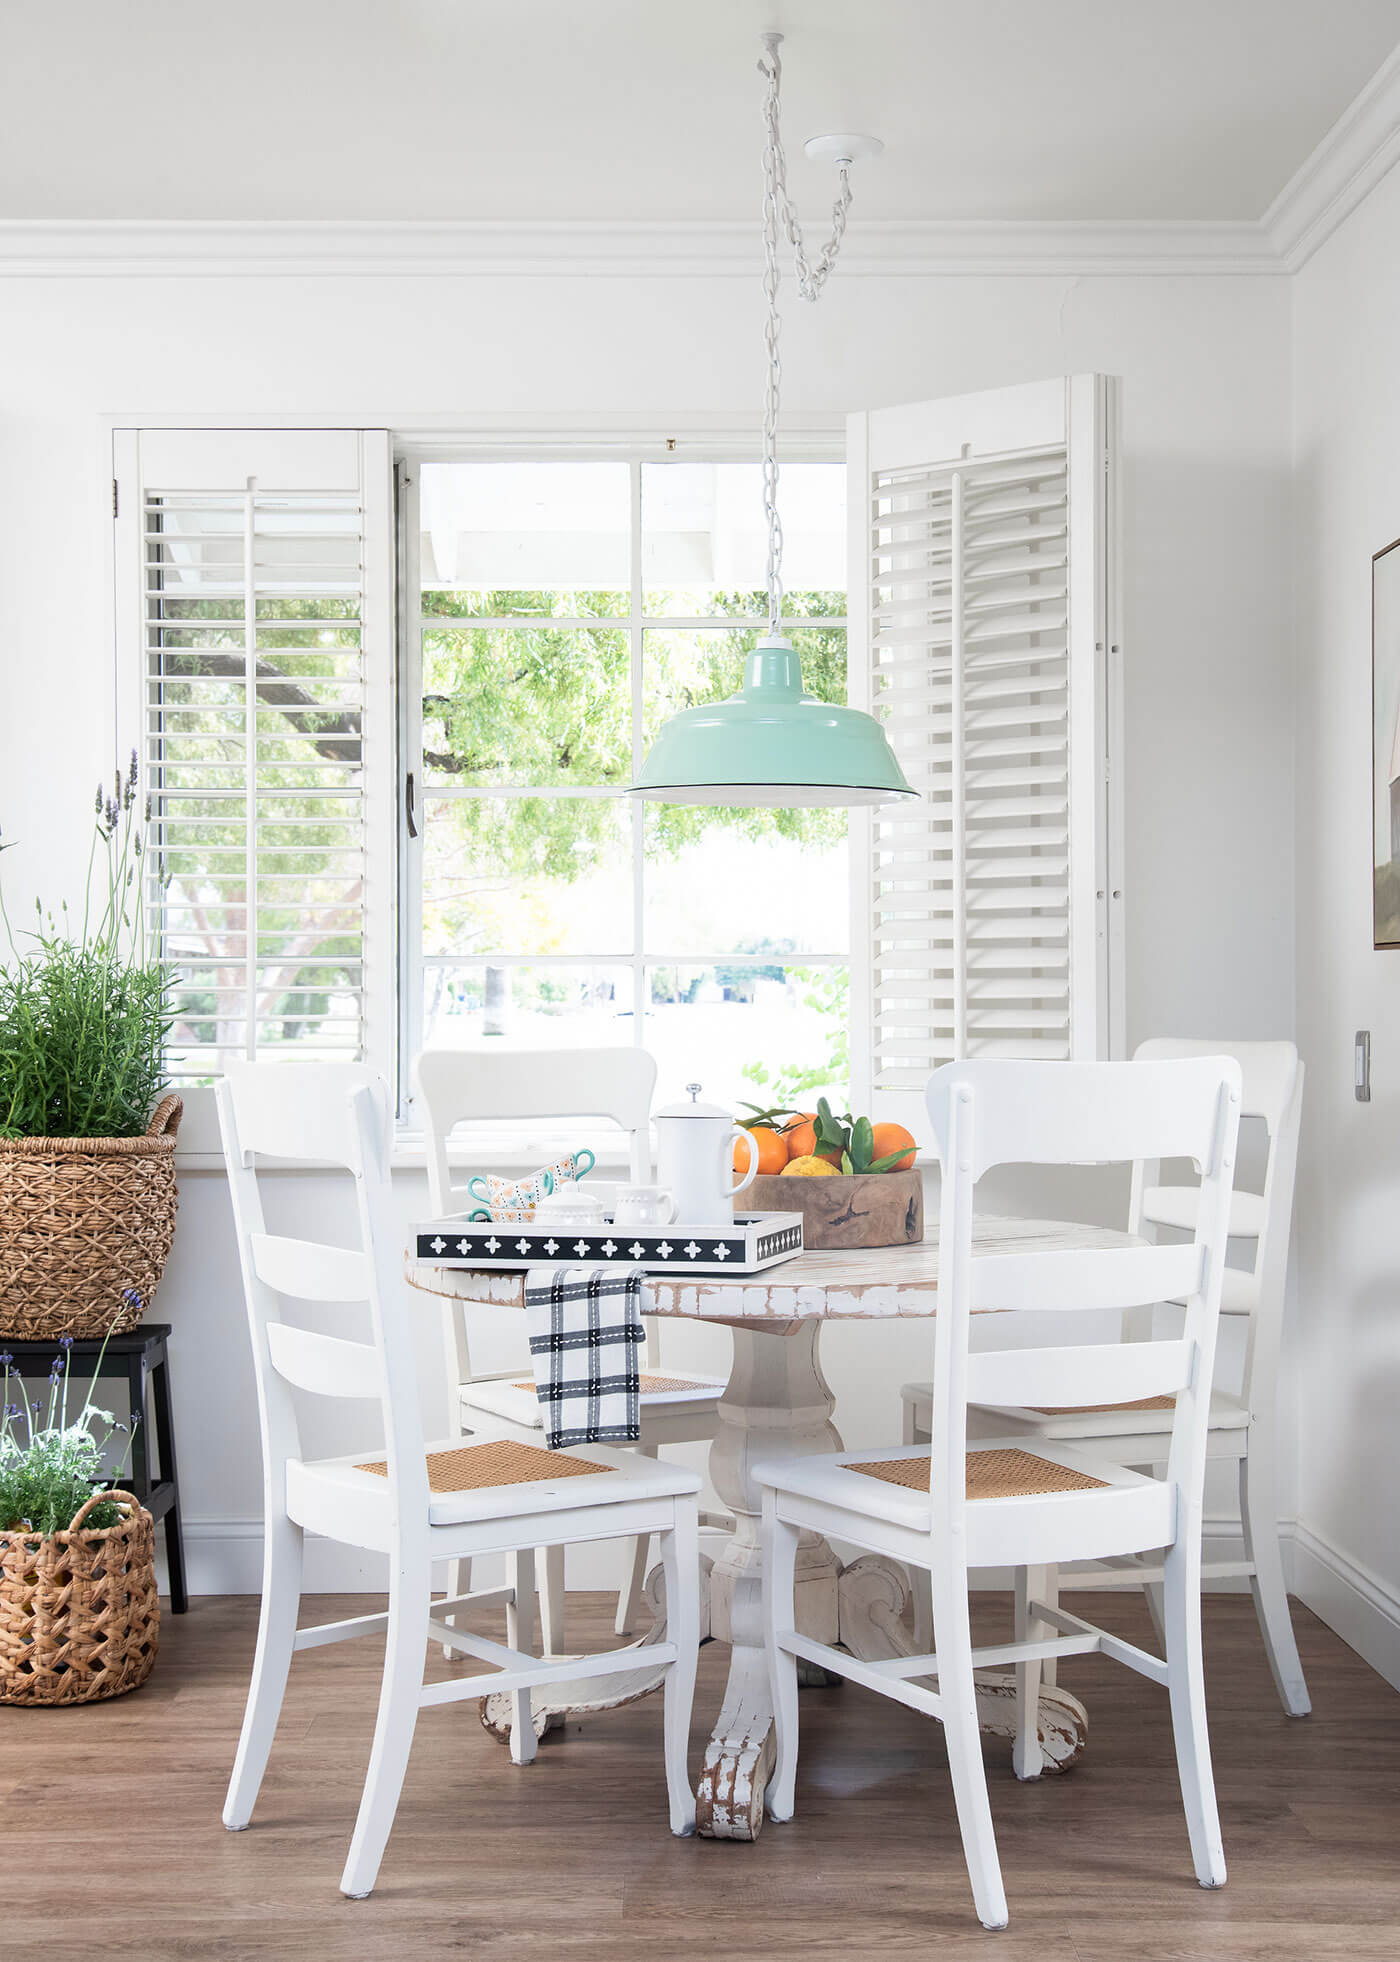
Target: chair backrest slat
x=308 y=1271
x=1089 y=1277
x=457 y=1086
x=1089 y=1113
x=1086 y=1375
x=327 y=1365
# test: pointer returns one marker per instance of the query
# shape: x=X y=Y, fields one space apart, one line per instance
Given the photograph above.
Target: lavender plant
x=50 y=1472
x=84 y=1014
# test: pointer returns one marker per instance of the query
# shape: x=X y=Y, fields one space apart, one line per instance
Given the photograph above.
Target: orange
x=809 y=1168
x=772 y=1151
x=889 y=1138
x=801 y=1138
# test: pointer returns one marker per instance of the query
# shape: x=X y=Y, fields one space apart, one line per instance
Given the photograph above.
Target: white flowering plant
x=50 y=1470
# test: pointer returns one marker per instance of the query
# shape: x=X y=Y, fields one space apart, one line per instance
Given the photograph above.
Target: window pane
x=772 y=1037
x=705 y=538
x=736 y=881
x=534 y=705
x=527 y=537
x=680 y=669
x=473 y=1005
x=527 y=875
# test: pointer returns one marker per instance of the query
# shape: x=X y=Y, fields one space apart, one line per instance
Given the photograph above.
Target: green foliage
x=52 y=1471
x=545 y=704
x=828 y=990
x=84 y=1019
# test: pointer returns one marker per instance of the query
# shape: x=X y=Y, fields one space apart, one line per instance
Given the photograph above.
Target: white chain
x=778 y=207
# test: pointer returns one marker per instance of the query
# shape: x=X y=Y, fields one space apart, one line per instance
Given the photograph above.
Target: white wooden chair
x=1242 y=1423
x=413 y=1502
x=456 y=1086
x=1027 y=1504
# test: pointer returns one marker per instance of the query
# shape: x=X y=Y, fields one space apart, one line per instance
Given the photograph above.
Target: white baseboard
x=1354 y=1602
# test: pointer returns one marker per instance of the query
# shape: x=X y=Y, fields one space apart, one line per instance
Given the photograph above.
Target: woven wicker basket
x=85 y=1227
x=79 y=1613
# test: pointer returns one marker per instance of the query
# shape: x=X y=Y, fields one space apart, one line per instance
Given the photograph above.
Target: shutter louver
x=979 y=889
x=256 y=734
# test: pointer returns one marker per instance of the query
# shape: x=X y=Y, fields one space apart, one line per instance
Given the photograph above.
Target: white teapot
x=695 y=1149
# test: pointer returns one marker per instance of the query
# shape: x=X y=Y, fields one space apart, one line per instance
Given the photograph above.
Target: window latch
x=409 y=810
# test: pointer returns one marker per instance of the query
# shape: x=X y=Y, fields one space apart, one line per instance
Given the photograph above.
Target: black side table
x=140 y=1357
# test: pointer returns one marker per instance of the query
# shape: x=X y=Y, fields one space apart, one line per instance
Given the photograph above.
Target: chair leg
x=1049 y=1593
x=459 y=1581
x=680 y=1559
x=629 y=1601
x=779 y=1580
x=552 y=1600
x=1181 y=1590
x=277 y=1626
x=1027 y=1760
x=964 y=1740
x=520 y=1634
x=1259 y=1518
x=1152 y=1594
x=400 y=1694
x=920 y=1587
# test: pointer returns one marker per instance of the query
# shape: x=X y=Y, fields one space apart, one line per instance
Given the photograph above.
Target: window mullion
x=635 y=627
x=250 y=767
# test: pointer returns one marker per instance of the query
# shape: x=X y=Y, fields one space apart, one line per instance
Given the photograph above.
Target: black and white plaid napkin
x=585 y=1328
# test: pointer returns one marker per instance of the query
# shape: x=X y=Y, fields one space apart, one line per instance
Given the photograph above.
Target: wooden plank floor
x=113 y=1845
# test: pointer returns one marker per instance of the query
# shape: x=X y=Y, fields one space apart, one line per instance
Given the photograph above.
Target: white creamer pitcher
x=695 y=1150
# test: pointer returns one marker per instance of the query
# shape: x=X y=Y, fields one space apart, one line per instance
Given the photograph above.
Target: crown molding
x=1350 y=160
x=484 y=248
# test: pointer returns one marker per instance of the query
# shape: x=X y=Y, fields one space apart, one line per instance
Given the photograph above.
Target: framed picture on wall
x=1385 y=743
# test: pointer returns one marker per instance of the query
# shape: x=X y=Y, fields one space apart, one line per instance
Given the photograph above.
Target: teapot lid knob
x=694 y=1089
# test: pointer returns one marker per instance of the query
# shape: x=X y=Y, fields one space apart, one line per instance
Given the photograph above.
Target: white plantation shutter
x=254 y=583
x=982 y=533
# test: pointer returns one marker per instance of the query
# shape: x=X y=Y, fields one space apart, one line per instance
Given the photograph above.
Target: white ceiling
x=647 y=109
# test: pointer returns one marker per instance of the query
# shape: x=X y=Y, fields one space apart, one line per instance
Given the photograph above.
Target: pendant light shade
x=771 y=744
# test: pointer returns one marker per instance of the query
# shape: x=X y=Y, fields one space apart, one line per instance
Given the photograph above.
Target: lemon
x=809 y=1168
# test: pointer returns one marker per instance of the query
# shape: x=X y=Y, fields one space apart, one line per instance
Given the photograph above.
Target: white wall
x=1347 y=326
x=1205 y=368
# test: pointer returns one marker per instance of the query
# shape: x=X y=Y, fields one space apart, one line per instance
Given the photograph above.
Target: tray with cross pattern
x=752 y=1242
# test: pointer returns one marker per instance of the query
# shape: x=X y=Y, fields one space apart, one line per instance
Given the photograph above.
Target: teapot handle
x=727 y=1158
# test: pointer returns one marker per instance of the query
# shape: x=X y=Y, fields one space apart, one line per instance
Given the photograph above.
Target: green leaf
x=895 y=1159
x=846 y=1166
x=862 y=1144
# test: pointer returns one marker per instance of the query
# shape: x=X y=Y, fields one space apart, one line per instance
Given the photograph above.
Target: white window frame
x=711 y=447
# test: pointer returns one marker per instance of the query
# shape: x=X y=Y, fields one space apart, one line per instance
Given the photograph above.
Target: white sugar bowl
x=568 y=1207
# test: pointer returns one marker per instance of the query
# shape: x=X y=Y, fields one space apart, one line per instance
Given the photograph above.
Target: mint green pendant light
x=772 y=743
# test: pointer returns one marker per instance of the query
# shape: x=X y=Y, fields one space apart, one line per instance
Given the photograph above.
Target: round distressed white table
x=777 y=1404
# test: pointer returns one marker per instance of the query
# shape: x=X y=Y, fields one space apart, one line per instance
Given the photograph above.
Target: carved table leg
x=776 y=1405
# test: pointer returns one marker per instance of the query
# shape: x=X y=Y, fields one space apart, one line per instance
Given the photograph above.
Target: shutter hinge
x=114 y=497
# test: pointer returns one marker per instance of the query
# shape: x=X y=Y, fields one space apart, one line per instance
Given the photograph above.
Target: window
x=556 y=611
x=354 y=858
x=265 y=664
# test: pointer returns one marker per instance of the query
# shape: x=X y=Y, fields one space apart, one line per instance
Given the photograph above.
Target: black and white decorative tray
x=754 y=1241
